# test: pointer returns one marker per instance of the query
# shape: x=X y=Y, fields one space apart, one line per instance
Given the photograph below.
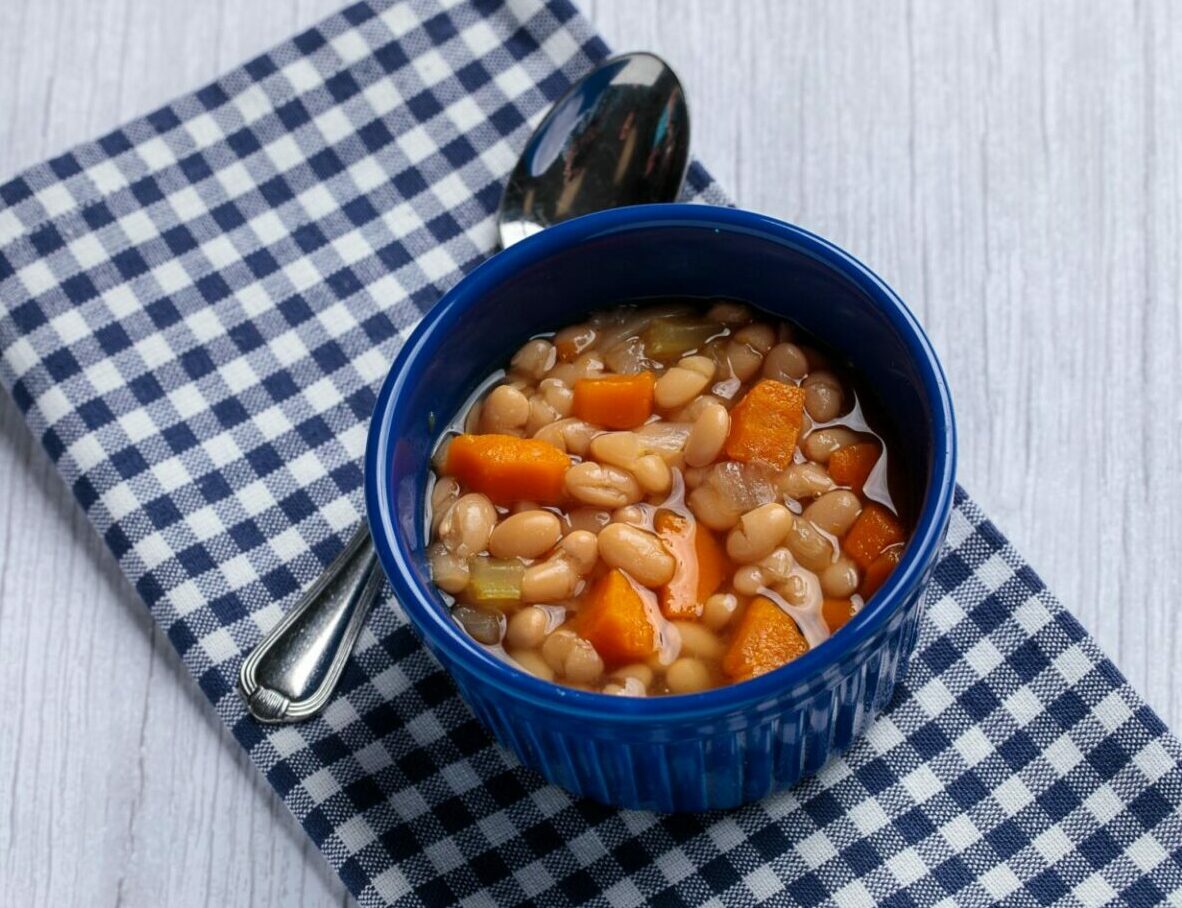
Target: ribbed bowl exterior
x=767 y=747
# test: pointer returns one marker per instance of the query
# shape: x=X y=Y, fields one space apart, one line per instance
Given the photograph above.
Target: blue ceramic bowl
x=721 y=747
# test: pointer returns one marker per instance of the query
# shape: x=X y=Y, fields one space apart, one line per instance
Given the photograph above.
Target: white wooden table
x=1014 y=170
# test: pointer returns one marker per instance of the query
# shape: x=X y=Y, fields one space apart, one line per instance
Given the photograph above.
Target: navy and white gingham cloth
x=195 y=312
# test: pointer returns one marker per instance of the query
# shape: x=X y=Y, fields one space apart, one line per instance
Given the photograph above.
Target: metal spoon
x=619 y=136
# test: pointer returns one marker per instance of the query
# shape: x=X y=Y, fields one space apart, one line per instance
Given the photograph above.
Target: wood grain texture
x=1012 y=169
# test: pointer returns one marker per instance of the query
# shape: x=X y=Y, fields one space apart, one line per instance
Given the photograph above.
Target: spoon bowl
x=619 y=136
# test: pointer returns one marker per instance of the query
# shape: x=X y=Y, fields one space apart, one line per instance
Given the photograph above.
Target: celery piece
x=670 y=338
x=493 y=580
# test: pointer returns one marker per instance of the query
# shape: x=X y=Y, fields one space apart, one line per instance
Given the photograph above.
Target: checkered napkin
x=195 y=312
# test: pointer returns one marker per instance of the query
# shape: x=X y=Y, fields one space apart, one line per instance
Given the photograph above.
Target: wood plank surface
x=1014 y=170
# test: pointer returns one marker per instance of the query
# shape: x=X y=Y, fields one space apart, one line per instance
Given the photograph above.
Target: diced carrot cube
x=879 y=570
x=702 y=565
x=766 y=423
x=766 y=638
x=616 y=621
x=615 y=401
x=851 y=465
x=875 y=529
x=507 y=468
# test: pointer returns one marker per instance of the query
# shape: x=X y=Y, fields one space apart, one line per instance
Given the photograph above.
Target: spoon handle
x=291 y=674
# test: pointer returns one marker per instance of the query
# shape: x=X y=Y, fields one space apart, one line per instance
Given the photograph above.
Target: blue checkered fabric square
x=195 y=312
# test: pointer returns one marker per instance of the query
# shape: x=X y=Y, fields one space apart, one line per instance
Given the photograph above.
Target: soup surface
x=662 y=500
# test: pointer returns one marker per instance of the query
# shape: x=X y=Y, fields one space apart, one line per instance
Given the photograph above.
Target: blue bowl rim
x=443 y=632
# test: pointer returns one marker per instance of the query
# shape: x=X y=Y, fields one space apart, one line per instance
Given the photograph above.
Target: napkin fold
x=196 y=310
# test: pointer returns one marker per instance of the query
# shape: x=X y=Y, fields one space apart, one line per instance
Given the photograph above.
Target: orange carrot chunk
x=766 y=638
x=875 y=529
x=702 y=565
x=766 y=423
x=614 y=620
x=615 y=401
x=880 y=568
x=836 y=613
x=507 y=468
x=851 y=465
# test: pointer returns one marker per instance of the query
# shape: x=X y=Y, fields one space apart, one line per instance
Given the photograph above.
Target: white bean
x=581 y=549
x=560 y=397
x=467 y=525
x=694 y=408
x=744 y=360
x=697 y=640
x=552 y=580
x=631 y=513
x=574 y=339
x=653 y=474
x=540 y=414
x=840 y=579
x=727 y=313
x=687 y=676
x=602 y=486
x=778 y=565
x=631 y=687
x=748 y=580
x=589 y=364
x=448 y=571
x=557 y=646
x=810 y=547
x=535 y=359
x=719 y=609
x=565 y=374
x=444 y=494
x=804 y=480
x=713 y=508
x=638 y=552
x=758 y=336
x=528 y=534
x=683 y=382
x=758 y=533
x=786 y=363
x=707 y=436
x=638 y=671
x=592 y=520
x=802 y=589
x=582 y=663
x=570 y=435
x=823 y=395
x=619 y=449
x=527 y=628
x=506 y=411
x=834 y=512
x=819 y=446
x=533 y=663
